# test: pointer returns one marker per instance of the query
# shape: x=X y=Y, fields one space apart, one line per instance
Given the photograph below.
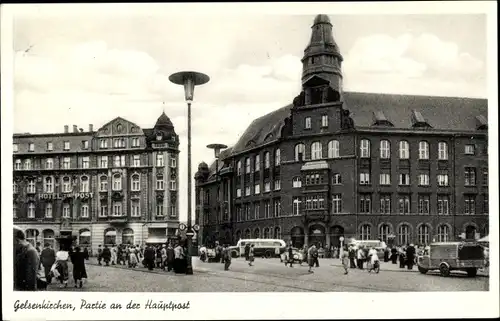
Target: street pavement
x=270 y=275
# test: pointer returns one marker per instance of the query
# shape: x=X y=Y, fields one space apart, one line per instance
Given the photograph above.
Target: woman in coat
x=106 y=255
x=345 y=259
x=79 y=271
x=251 y=255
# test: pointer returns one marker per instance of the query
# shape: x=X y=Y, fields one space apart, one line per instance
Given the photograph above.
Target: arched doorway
x=84 y=238
x=297 y=236
x=336 y=232
x=317 y=235
x=49 y=238
x=110 y=237
x=128 y=236
x=470 y=232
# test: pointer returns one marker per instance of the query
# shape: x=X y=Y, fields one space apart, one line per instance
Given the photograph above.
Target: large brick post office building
x=370 y=166
x=115 y=185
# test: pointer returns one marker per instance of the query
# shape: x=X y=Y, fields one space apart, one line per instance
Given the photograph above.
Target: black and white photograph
x=208 y=152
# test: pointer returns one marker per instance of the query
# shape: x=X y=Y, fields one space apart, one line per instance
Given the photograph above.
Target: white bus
x=262 y=247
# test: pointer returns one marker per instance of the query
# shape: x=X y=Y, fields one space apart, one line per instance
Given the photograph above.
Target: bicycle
x=373 y=267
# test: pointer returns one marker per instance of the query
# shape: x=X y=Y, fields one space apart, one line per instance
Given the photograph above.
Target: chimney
x=66 y=129
x=75 y=129
x=91 y=128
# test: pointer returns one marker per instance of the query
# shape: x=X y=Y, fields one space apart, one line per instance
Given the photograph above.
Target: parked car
x=450 y=256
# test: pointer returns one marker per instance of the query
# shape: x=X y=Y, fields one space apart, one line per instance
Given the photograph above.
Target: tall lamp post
x=189 y=79
x=217 y=149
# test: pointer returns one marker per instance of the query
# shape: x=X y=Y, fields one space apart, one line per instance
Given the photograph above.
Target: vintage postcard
x=249 y=161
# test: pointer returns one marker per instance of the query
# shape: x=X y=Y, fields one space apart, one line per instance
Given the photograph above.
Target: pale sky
x=90 y=69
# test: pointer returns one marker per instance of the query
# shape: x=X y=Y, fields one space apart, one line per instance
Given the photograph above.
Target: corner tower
x=322 y=56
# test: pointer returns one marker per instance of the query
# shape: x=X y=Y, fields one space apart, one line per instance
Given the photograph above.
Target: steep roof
x=441 y=113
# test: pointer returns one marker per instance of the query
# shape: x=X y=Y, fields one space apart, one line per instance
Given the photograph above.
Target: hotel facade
x=116 y=185
x=401 y=168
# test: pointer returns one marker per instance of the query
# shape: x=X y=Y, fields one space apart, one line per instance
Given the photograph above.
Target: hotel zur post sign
x=61 y=196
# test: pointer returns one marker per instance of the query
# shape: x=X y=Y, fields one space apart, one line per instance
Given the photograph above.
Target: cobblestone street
x=269 y=275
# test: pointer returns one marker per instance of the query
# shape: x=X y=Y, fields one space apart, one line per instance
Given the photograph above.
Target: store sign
x=57 y=196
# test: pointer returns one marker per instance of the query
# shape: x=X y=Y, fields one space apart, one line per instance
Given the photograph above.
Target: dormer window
x=379 y=119
x=418 y=120
x=159 y=137
x=481 y=123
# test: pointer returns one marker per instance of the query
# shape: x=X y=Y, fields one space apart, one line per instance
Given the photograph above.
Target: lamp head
x=189 y=79
x=217 y=148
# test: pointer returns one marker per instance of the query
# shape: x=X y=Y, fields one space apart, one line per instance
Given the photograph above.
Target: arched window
x=110 y=237
x=277 y=157
x=443 y=233
x=248 y=169
x=404 y=234
x=117 y=182
x=442 y=151
x=423 y=150
x=365 y=232
x=67 y=187
x=267 y=160
x=103 y=183
x=49 y=185
x=277 y=232
x=31 y=186
x=247 y=233
x=48 y=210
x=84 y=211
x=256 y=233
x=128 y=236
x=385 y=149
x=136 y=186
x=336 y=179
x=84 y=187
x=15 y=188
x=84 y=238
x=300 y=152
x=297 y=182
x=364 y=148
x=238 y=167
x=404 y=149
x=383 y=232
x=316 y=151
x=238 y=235
x=333 y=149
x=267 y=233
x=66 y=211
x=48 y=238
x=32 y=236
x=423 y=234
x=17 y=164
x=31 y=210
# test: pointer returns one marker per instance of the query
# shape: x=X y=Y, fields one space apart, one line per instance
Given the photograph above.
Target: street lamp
x=189 y=79
x=217 y=149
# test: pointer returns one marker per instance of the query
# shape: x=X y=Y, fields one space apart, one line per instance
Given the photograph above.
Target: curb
x=405 y=270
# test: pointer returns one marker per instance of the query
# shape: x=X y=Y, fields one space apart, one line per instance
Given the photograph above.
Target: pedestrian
x=227 y=257
x=315 y=254
x=360 y=257
x=345 y=259
x=247 y=252
x=178 y=259
x=290 y=256
x=106 y=255
x=132 y=259
x=26 y=262
x=394 y=255
x=304 y=254
x=410 y=256
x=149 y=257
x=47 y=258
x=114 y=254
x=61 y=265
x=310 y=257
x=335 y=253
x=203 y=253
x=352 y=257
x=86 y=254
x=38 y=247
x=170 y=257
x=79 y=271
x=251 y=255
x=386 y=254
x=163 y=256
x=402 y=258
x=373 y=257
x=99 y=254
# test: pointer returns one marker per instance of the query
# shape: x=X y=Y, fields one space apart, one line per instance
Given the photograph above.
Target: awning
x=156 y=240
x=111 y=233
x=87 y=233
x=485 y=239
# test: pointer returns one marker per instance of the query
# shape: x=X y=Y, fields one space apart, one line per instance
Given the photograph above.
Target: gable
x=119 y=127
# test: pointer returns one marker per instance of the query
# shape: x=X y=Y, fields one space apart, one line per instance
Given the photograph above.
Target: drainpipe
x=356 y=185
x=453 y=194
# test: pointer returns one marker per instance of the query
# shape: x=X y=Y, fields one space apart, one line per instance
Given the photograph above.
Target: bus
x=267 y=248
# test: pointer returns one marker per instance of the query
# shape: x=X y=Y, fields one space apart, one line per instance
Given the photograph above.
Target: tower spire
x=322 y=55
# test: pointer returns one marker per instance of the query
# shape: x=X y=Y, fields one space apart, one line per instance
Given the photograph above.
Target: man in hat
x=26 y=263
x=410 y=256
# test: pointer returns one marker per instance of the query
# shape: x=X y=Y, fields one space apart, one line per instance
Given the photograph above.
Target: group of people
x=222 y=254
x=171 y=257
x=35 y=268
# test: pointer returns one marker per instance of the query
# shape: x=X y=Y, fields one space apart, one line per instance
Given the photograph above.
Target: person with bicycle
x=374 y=260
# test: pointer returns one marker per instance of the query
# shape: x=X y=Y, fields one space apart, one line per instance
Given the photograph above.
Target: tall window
x=66 y=163
x=365 y=203
x=307 y=124
x=103 y=163
x=173 y=185
x=15 y=148
x=336 y=179
x=85 y=162
x=404 y=234
x=48 y=210
x=136 y=184
x=103 y=183
x=257 y=188
x=159 y=183
x=31 y=210
x=364 y=178
x=248 y=168
x=470 y=149
x=423 y=179
x=159 y=159
x=67 y=187
x=267 y=160
x=238 y=167
x=365 y=148
x=159 y=208
x=117 y=209
x=136 y=160
x=247 y=190
x=423 y=234
x=424 y=204
x=50 y=146
x=84 y=184
x=135 y=206
x=277 y=207
x=257 y=163
x=85 y=144
x=443 y=233
x=385 y=203
x=18 y=165
x=256 y=213
x=31 y=147
x=66 y=213
x=404 y=204
x=385 y=179
x=385 y=149
x=297 y=182
x=31 y=186
x=470 y=204
x=324 y=121
x=442 y=180
x=103 y=210
x=443 y=205
x=365 y=232
x=300 y=152
x=470 y=176
x=117 y=182
x=277 y=184
x=333 y=149
x=296 y=205
x=173 y=212
x=404 y=179
x=103 y=143
x=277 y=232
x=423 y=150
x=316 y=151
x=49 y=163
x=442 y=151
x=84 y=211
x=173 y=161
x=28 y=164
x=277 y=157
x=67 y=145
x=49 y=185
x=267 y=209
x=119 y=161
x=337 y=203
x=384 y=232
x=135 y=142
